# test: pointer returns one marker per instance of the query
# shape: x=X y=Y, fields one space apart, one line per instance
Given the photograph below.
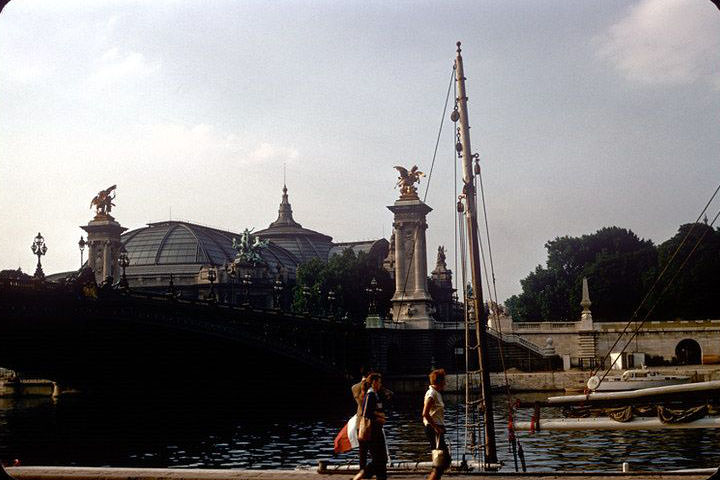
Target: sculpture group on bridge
x=248 y=249
x=103 y=201
x=407 y=181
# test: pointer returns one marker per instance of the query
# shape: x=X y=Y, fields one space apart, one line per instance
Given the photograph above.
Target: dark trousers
x=378 y=454
x=364 y=447
x=438 y=441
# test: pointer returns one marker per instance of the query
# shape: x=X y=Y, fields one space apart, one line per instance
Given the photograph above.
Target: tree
x=618 y=265
x=348 y=275
x=692 y=289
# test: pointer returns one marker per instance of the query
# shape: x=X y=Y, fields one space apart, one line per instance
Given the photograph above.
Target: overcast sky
x=585 y=114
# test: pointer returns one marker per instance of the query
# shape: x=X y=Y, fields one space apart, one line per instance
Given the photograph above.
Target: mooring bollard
x=322 y=466
x=625 y=467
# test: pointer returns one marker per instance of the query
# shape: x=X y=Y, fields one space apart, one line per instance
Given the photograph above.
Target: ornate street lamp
x=81 y=245
x=171 y=288
x=39 y=248
x=123 y=262
x=306 y=293
x=212 y=276
x=232 y=273
x=372 y=292
x=331 y=302
x=246 y=282
x=278 y=287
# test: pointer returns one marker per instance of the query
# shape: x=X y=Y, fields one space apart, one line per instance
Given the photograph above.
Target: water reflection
x=240 y=432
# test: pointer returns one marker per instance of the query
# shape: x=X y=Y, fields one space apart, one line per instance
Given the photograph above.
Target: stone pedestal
x=374 y=321
x=412 y=303
x=104 y=246
x=587 y=344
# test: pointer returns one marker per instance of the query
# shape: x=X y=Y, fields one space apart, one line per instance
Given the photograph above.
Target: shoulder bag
x=439 y=460
x=364 y=423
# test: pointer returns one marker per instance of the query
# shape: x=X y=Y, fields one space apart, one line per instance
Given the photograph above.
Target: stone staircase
x=519 y=353
x=587 y=347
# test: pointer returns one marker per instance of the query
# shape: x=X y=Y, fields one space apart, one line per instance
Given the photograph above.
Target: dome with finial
x=178 y=246
x=285 y=232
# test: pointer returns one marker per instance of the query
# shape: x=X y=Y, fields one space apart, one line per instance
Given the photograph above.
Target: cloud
x=22 y=67
x=204 y=143
x=267 y=152
x=115 y=66
x=665 y=42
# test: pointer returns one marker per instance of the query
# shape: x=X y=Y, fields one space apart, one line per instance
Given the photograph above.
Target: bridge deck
x=102 y=473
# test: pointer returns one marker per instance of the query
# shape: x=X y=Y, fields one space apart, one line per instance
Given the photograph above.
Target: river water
x=242 y=431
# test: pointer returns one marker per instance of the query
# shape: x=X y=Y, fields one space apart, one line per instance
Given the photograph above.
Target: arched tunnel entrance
x=688 y=352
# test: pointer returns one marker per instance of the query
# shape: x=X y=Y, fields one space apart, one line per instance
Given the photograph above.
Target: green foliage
x=348 y=275
x=695 y=286
x=619 y=267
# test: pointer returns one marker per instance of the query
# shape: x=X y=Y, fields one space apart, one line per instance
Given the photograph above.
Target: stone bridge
x=50 y=331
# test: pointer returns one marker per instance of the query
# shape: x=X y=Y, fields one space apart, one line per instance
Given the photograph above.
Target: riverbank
x=102 y=473
x=540 y=381
x=30 y=387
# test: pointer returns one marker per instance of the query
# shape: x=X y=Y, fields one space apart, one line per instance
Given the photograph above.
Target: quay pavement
x=104 y=473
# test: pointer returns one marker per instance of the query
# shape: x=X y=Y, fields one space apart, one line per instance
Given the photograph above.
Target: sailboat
x=468 y=206
x=706 y=394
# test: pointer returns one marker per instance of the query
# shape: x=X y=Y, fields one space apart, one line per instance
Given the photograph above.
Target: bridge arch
x=395 y=364
x=688 y=352
x=455 y=348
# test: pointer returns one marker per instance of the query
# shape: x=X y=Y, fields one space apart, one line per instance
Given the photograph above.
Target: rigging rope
x=437 y=141
x=455 y=250
x=657 y=300
x=493 y=292
x=461 y=234
x=652 y=289
x=427 y=189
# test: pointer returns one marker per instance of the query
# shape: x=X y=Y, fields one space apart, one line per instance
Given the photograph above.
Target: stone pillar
x=400 y=260
x=420 y=258
x=587 y=342
x=103 y=238
x=412 y=304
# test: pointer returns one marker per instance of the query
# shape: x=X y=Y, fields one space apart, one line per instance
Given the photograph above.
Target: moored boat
x=636 y=379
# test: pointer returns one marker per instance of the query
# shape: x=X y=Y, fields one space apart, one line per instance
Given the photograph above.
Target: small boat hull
x=620 y=385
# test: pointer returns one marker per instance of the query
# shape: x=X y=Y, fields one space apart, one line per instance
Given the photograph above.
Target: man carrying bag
x=370 y=431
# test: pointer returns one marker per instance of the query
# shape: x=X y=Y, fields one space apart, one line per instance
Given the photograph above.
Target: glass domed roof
x=174 y=242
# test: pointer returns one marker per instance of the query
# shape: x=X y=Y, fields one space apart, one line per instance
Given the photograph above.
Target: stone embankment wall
x=539 y=381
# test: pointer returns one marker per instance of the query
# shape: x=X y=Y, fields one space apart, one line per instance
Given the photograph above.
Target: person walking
x=373 y=411
x=433 y=416
x=359 y=390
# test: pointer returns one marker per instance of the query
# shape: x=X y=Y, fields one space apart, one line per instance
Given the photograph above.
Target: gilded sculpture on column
x=103 y=202
x=407 y=181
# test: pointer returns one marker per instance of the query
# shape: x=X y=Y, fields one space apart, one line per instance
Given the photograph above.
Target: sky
x=584 y=114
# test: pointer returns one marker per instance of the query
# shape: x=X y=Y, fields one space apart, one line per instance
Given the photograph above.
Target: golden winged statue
x=103 y=202
x=407 y=181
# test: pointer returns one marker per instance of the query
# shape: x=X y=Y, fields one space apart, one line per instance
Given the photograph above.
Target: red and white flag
x=347 y=439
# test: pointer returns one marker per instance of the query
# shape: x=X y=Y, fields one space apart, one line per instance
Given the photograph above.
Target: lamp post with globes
x=231 y=273
x=372 y=292
x=278 y=287
x=246 y=282
x=306 y=295
x=39 y=248
x=123 y=262
x=81 y=246
x=331 y=303
x=212 y=276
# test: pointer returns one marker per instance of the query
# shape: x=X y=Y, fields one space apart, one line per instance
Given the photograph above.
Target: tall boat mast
x=472 y=234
